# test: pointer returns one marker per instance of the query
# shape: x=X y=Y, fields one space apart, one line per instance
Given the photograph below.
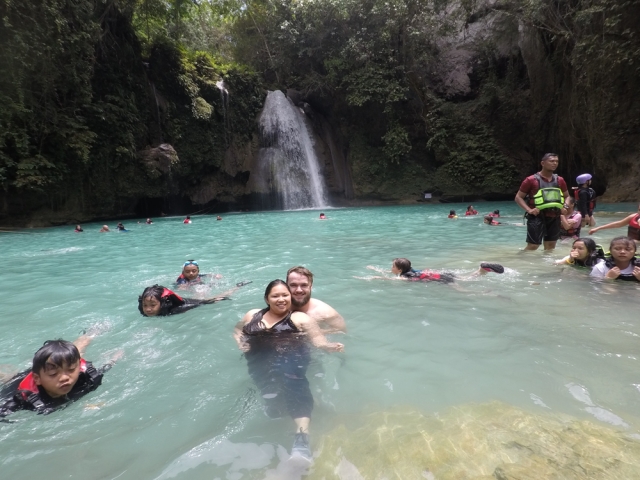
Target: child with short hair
x=191 y=274
x=58 y=375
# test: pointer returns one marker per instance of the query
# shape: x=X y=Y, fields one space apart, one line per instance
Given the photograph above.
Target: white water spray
x=288 y=165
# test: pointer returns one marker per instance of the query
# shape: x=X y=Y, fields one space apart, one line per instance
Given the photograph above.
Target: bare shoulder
x=321 y=309
x=249 y=315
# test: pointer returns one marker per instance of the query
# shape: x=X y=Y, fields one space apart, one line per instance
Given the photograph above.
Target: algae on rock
x=487 y=441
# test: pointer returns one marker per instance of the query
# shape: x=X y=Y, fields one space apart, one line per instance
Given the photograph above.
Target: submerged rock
x=488 y=441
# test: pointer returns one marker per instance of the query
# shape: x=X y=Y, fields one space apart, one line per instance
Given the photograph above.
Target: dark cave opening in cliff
x=161 y=206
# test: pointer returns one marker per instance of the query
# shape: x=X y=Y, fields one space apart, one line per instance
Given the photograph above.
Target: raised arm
x=82 y=343
x=620 y=223
x=309 y=326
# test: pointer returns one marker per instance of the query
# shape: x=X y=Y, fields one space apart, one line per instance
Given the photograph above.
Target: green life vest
x=549 y=194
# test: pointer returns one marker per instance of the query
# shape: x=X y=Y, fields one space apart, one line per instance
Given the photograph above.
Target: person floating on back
x=58 y=375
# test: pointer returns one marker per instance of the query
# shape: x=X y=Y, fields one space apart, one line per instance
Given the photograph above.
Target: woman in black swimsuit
x=275 y=342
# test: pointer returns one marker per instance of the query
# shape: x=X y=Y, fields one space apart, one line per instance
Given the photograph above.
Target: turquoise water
x=180 y=403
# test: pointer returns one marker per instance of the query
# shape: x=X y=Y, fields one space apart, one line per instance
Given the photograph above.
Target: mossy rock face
x=488 y=441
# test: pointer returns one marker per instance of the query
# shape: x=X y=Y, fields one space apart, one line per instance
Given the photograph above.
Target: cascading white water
x=224 y=100
x=287 y=163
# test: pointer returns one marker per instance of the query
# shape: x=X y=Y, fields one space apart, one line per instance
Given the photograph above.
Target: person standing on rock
x=542 y=196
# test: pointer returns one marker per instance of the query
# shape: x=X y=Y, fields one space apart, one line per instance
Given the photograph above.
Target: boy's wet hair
x=488 y=218
x=402 y=264
x=452 y=212
x=301 y=271
x=55 y=352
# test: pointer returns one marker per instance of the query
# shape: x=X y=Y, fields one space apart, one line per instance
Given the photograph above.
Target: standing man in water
x=542 y=196
x=300 y=282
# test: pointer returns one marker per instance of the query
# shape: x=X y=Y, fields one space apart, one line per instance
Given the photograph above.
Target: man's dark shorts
x=541 y=228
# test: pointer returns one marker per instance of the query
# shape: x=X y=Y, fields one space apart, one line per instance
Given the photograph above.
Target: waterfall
x=287 y=164
x=224 y=100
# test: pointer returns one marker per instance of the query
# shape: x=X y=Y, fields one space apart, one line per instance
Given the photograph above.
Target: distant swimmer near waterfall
x=275 y=342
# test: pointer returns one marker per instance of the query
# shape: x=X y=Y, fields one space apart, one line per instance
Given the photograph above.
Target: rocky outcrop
x=158 y=160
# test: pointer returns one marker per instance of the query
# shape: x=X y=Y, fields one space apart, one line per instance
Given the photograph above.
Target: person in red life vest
x=621 y=264
x=160 y=301
x=323 y=216
x=402 y=268
x=191 y=274
x=78 y=229
x=58 y=375
x=470 y=211
x=149 y=221
x=570 y=220
x=632 y=222
x=496 y=214
x=452 y=214
x=542 y=196
x=187 y=220
x=218 y=218
x=585 y=197
x=488 y=219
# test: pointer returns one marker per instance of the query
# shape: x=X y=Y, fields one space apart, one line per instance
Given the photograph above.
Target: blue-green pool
x=180 y=403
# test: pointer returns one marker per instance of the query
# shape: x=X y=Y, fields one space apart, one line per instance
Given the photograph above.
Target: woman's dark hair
x=272 y=284
x=497 y=212
x=452 y=212
x=403 y=264
x=55 y=352
x=593 y=253
x=469 y=207
x=488 y=218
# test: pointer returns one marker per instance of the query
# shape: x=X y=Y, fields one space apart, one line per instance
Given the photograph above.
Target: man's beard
x=304 y=301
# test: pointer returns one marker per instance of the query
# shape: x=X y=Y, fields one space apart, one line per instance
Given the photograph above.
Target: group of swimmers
x=275 y=340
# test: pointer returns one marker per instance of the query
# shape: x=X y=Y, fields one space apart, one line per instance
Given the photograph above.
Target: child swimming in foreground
x=402 y=268
x=621 y=264
x=58 y=375
x=584 y=253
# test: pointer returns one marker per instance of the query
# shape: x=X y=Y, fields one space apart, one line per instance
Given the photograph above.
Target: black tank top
x=257 y=327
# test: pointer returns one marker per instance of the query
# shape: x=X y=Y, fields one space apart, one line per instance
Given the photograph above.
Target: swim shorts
x=541 y=228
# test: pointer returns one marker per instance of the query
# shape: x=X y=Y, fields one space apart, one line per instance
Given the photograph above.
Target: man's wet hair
x=547 y=156
x=403 y=264
x=57 y=353
x=301 y=271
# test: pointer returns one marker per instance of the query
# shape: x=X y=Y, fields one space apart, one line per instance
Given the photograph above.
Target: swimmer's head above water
x=400 y=266
x=190 y=270
x=56 y=367
x=152 y=303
